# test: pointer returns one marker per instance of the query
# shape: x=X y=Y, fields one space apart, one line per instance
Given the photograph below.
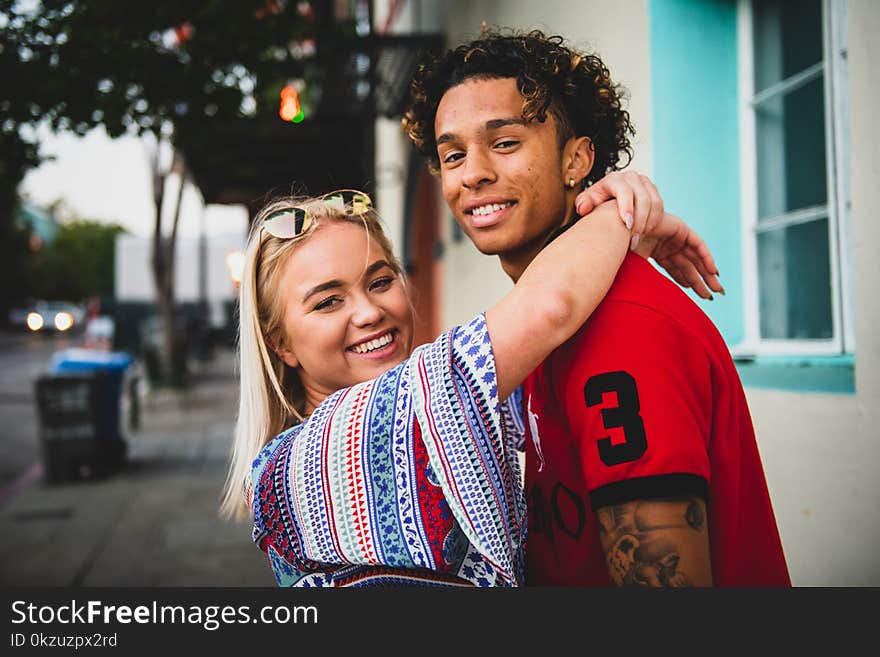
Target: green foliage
x=188 y=69
x=79 y=263
x=83 y=63
x=16 y=285
x=16 y=157
x=78 y=64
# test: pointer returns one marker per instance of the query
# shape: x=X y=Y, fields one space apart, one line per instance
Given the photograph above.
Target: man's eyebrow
x=446 y=136
x=494 y=124
x=336 y=283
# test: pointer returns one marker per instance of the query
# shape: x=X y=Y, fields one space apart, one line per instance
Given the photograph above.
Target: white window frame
x=833 y=66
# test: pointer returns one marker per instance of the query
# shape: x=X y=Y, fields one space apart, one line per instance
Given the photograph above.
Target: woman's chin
x=374 y=368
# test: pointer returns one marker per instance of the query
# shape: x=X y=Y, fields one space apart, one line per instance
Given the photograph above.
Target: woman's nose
x=366 y=311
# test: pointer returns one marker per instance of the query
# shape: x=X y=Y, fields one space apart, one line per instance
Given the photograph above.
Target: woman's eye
x=507 y=143
x=381 y=283
x=452 y=158
x=328 y=303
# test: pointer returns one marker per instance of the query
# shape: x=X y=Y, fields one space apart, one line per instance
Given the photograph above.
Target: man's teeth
x=372 y=345
x=490 y=208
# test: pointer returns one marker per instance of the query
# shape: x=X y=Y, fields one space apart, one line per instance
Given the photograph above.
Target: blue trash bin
x=78 y=403
x=114 y=364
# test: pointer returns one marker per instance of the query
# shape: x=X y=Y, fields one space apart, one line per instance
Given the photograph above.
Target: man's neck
x=515 y=263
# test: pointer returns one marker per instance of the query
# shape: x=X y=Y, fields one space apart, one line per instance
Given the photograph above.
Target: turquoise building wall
x=695 y=123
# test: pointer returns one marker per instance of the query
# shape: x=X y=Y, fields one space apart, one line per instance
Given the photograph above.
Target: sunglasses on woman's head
x=294 y=221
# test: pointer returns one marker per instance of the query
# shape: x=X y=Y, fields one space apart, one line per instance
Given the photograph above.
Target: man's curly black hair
x=575 y=87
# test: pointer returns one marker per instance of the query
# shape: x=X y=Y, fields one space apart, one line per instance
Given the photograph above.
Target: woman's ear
x=286 y=355
x=577 y=159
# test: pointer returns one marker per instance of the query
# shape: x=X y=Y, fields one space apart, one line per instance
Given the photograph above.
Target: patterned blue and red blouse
x=412 y=478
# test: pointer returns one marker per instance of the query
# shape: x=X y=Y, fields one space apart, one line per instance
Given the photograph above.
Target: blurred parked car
x=52 y=316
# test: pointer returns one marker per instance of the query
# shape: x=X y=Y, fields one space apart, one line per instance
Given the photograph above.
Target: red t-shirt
x=644 y=401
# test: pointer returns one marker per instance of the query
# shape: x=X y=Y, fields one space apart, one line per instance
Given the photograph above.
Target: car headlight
x=34 y=321
x=63 y=320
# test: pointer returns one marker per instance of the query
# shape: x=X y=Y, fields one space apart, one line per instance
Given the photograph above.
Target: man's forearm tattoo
x=638 y=552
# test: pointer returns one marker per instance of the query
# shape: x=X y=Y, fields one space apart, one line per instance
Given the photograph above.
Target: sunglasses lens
x=287 y=223
x=349 y=201
x=360 y=203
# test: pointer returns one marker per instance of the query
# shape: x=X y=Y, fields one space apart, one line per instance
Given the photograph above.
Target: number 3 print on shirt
x=625 y=415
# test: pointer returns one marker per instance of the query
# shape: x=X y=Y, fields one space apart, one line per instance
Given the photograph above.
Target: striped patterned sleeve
x=514 y=423
x=465 y=429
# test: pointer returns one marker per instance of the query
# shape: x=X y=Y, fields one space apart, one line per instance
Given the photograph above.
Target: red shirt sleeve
x=637 y=392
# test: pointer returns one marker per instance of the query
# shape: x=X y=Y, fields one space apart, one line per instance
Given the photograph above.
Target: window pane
x=791 y=151
x=788 y=38
x=795 y=282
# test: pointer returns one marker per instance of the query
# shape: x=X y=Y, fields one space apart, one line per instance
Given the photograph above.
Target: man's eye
x=328 y=303
x=381 y=283
x=507 y=143
x=452 y=157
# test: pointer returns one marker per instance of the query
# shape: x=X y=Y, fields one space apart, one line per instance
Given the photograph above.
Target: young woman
x=399 y=468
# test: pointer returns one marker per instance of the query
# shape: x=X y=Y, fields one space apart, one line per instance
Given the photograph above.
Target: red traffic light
x=290 y=109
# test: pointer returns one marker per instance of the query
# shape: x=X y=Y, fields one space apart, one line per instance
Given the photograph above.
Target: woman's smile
x=376 y=348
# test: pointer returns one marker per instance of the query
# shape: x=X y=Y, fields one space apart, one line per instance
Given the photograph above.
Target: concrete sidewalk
x=154 y=523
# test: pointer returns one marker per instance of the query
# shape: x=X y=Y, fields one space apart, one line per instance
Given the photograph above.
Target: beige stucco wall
x=392 y=153
x=392 y=146
x=864 y=53
x=819 y=469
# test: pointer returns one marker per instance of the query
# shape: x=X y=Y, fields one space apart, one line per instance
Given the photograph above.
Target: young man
x=642 y=466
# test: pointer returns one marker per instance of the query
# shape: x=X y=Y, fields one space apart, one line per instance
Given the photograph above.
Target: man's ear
x=577 y=159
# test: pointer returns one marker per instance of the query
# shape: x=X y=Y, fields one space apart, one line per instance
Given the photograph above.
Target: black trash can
x=79 y=418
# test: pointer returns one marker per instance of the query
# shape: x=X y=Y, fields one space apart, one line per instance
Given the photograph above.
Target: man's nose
x=478 y=169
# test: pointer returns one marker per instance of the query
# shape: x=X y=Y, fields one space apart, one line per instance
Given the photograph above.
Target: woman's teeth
x=372 y=345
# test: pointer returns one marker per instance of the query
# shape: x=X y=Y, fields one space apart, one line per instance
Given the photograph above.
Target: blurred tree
x=16 y=157
x=162 y=67
x=79 y=263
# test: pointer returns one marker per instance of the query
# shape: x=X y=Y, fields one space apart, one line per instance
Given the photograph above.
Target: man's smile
x=487 y=213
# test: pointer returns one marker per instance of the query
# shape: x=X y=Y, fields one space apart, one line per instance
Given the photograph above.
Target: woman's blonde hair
x=272 y=397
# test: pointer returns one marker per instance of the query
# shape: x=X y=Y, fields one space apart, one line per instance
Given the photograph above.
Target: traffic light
x=290 y=109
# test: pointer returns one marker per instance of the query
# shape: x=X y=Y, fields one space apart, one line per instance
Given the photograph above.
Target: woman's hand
x=682 y=252
x=655 y=233
x=638 y=200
